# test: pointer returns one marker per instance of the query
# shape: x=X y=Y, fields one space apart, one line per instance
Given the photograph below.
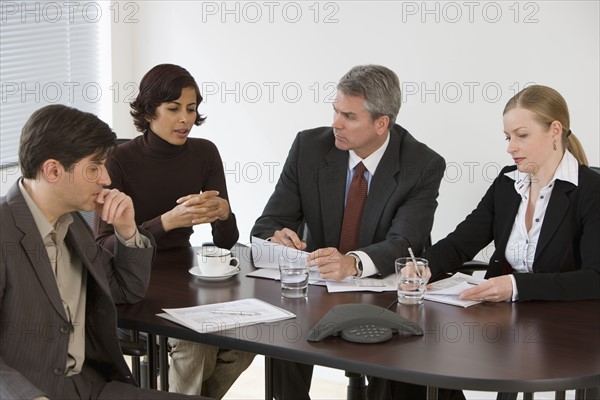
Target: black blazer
x=566 y=264
x=399 y=208
x=34 y=326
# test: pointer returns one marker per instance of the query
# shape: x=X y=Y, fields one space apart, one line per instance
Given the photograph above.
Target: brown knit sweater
x=155 y=173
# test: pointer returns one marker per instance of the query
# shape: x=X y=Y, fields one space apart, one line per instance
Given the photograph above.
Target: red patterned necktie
x=357 y=196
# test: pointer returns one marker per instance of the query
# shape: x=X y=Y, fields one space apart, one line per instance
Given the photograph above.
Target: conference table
x=504 y=347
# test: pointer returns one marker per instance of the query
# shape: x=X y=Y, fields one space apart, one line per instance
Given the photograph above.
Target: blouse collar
x=567 y=170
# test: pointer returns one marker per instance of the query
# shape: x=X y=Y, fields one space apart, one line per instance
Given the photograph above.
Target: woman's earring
x=554 y=145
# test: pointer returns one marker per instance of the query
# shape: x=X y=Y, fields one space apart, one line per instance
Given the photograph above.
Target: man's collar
x=43 y=225
x=372 y=161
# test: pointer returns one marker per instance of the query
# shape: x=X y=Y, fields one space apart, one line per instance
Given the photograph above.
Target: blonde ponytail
x=571 y=143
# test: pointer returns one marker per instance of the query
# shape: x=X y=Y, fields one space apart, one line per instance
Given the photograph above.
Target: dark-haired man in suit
x=57 y=286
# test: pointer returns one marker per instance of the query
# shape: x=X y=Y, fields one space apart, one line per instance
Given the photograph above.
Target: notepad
x=447 y=290
x=265 y=254
x=352 y=284
x=228 y=315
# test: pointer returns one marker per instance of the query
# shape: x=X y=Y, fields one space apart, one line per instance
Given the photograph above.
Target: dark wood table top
x=525 y=347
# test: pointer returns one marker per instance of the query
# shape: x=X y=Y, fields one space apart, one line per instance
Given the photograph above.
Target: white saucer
x=196 y=272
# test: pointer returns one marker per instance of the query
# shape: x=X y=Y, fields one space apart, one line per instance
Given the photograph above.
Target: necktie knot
x=359 y=170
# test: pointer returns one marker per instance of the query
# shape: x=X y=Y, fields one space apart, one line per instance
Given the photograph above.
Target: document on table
x=266 y=254
x=228 y=315
x=314 y=278
x=351 y=284
x=447 y=290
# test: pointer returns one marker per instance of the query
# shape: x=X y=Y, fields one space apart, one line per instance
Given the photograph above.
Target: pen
x=231 y=312
x=305 y=233
x=414 y=260
x=473 y=283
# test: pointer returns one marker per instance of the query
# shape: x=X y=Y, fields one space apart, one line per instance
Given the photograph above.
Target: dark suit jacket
x=399 y=208
x=566 y=264
x=34 y=326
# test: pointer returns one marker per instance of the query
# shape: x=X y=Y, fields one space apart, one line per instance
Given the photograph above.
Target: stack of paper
x=222 y=316
x=447 y=290
x=352 y=284
x=266 y=254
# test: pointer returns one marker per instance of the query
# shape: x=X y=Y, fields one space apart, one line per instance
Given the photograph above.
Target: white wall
x=459 y=63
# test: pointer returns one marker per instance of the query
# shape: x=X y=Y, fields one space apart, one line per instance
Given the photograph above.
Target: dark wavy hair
x=162 y=84
x=65 y=134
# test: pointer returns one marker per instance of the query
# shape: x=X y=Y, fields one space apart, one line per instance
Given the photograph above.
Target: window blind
x=49 y=54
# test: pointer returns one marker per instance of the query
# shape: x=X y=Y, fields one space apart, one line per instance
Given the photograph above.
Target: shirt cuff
x=138 y=240
x=515 y=292
x=368 y=264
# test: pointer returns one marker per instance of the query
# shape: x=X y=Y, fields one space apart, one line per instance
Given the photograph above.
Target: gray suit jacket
x=400 y=205
x=34 y=327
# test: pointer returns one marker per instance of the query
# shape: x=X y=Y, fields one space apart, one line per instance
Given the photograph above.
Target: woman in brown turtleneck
x=177 y=182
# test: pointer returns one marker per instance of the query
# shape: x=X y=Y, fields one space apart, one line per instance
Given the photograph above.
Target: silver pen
x=232 y=312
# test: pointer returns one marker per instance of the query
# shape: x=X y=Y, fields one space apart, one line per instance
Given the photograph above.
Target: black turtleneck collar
x=156 y=146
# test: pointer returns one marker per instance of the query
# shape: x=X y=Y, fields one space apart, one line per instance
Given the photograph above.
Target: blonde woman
x=543 y=212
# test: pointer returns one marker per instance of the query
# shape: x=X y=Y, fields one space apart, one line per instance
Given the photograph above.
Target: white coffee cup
x=215 y=261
